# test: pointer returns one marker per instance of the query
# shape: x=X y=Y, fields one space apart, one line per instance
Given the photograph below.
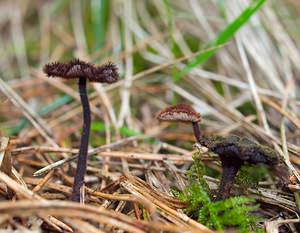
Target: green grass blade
x=44 y=111
x=100 y=15
x=169 y=15
x=222 y=38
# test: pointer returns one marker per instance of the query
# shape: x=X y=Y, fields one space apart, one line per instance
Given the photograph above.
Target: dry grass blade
x=87 y=212
x=70 y=209
x=36 y=121
x=90 y=153
x=5 y=156
x=67 y=190
x=163 y=203
x=288 y=114
x=5 y=159
x=23 y=192
x=273 y=226
x=83 y=226
x=261 y=113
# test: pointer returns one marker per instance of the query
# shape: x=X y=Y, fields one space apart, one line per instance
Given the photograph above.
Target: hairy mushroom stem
x=82 y=158
x=197 y=133
x=230 y=169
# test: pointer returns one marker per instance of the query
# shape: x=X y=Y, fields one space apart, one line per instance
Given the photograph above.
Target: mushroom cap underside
x=243 y=149
x=179 y=112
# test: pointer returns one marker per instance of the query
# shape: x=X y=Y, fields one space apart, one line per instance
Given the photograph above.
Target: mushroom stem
x=82 y=157
x=196 y=129
x=230 y=169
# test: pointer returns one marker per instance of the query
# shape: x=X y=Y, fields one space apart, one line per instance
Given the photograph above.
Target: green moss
x=250 y=175
x=193 y=42
x=126 y=132
x=248 y=108
x=98 y=126
x=233 y=212
x=218 y=87
x=139 y=63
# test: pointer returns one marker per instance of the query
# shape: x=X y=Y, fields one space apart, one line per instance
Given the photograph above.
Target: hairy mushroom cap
x=106 y=73
x=179 y=112
x=242 y=149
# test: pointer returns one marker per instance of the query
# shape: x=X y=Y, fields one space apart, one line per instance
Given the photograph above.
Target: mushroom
x=182 y=113
x=234 y=151
x=83 y=71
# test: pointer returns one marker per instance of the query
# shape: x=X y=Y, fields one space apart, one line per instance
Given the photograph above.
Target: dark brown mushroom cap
x=179 y=112
x=76 y=68
x=242 y=149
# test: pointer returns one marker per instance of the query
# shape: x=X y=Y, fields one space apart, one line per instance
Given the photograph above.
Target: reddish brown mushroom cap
x=179 y=112
x=76 y=68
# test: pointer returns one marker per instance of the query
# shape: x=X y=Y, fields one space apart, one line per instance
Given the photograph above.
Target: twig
x=27 y=194
x=36 y=121
x=90 y=153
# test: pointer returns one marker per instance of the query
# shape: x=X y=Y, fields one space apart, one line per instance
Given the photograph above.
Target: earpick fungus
x=182 y=113
x=234 y=151
x=83 y=71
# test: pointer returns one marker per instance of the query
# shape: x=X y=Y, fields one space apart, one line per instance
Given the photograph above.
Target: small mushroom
x=234 y=151
x=83 y=71
x=182 y=113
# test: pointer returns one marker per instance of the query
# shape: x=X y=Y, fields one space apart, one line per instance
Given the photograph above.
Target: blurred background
x=235 y=61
